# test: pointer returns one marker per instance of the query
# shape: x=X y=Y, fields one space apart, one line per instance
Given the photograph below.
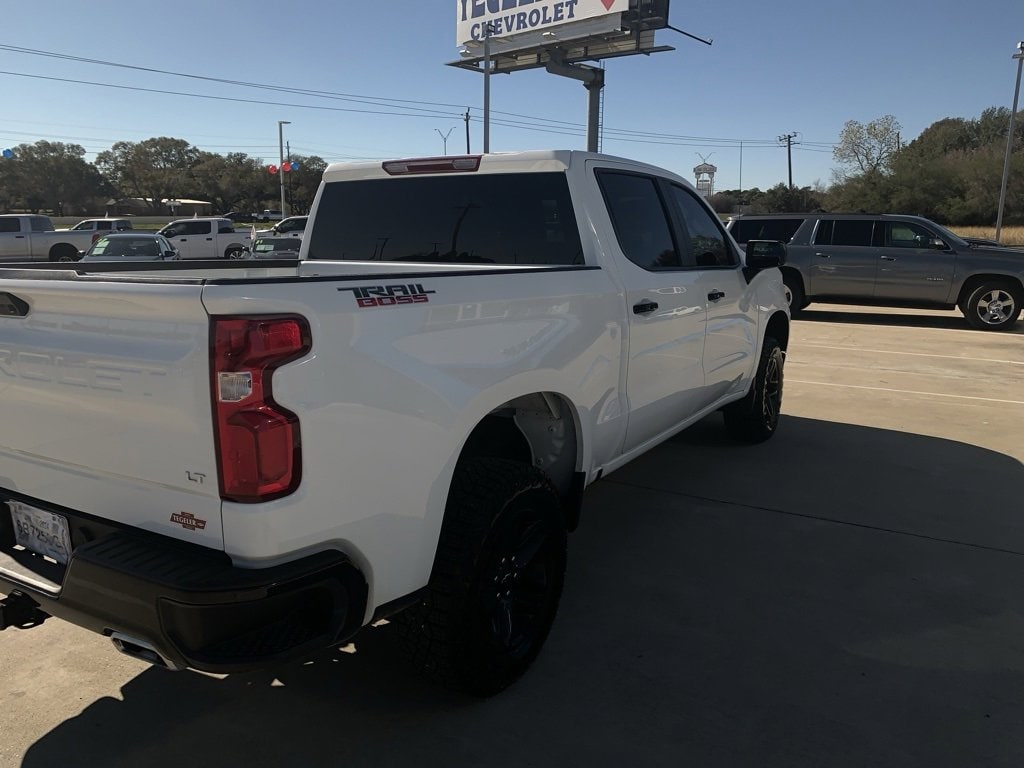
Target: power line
x=234 y=99
x=393 y=103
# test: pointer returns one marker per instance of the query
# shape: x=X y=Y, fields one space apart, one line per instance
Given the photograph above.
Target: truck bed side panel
x=389 y=394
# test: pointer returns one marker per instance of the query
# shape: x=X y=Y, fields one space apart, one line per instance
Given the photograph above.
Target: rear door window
x=483 y=218
x=640 y=220
x=849 y=232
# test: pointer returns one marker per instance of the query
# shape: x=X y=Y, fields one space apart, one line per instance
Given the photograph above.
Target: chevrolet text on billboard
x=512 y=17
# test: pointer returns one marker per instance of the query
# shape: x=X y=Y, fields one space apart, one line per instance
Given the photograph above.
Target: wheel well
x=975 y=280
x=539 y=429
x=232 y=248
x=793 y=273
x=62 y=249
x=778 y=329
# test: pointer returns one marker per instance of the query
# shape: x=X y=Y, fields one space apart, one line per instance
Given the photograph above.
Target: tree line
x=951 y=173
x=55 y=177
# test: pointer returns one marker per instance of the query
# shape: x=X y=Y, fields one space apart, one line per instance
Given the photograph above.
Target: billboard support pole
x=488 y=31
x=593 y=81
x=594 y=89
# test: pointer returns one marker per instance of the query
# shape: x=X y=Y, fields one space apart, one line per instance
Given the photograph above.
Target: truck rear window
x=515 y=218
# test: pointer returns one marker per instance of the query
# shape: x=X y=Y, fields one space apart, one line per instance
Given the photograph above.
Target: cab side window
x=196 y=228
x=705 y=239
x=640 y=220
x=903 y=234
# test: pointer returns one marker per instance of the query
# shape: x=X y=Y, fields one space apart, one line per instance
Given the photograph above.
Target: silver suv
x=891 y=260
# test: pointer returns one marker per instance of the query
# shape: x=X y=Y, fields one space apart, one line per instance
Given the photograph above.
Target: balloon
x=272 y=169
x=295 y=165
x=8 y=154
x=286 y=166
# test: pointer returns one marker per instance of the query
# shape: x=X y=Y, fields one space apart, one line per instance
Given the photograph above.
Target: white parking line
x=912 y=354
x=904 y=391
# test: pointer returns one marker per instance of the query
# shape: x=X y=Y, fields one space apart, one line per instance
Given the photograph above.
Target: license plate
x=41 y=532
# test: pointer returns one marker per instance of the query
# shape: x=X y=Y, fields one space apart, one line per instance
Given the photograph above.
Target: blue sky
x=774 y=68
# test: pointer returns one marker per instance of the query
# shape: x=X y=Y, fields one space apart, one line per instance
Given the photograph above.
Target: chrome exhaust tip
x=142 y=650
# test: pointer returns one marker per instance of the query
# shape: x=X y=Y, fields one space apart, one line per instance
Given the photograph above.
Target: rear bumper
x=191 y=605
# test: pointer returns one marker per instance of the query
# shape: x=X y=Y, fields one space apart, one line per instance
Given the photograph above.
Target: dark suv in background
x=892 y=260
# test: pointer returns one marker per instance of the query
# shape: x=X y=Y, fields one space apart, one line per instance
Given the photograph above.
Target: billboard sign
x=509 y=18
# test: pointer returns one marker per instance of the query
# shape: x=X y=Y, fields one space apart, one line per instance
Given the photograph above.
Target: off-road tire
x=496 y=581
x=755 y=418
x=994 y=305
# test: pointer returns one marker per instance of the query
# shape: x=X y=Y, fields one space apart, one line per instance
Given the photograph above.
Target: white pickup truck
x=33 y=238
x=229 y=465
x=207 y=238
x=99 y=227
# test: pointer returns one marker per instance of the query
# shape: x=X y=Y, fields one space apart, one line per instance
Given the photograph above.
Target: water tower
x=705 y=176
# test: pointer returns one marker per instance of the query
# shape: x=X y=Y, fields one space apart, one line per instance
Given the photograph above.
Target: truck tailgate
x=104 y=393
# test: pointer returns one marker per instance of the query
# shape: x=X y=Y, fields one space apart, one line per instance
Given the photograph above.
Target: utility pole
x=280 y=167
x=1019 y=56
x=741 y=166
x=788 y=138
x=466 y=118
x=444 y=138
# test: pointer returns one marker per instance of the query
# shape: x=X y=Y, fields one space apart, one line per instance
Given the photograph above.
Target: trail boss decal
x=389 y=295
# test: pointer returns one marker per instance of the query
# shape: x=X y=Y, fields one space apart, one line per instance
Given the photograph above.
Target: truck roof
x=496 y=162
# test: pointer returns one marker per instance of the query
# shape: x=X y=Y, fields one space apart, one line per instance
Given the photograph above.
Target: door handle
x=888 y=258
x=645 y=306
x=716 y=295
x=209 y=238
x=823 y=255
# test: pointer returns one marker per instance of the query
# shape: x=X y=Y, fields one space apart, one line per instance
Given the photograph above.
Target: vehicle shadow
x=833 y=597
x=895 y=318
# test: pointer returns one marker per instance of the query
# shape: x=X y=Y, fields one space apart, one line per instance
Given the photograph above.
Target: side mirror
x=765 y=254
x=938 y=244
x=168 y=255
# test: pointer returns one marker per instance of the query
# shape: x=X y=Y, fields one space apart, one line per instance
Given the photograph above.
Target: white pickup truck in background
x=100 y=226
x=229 y=465
x=293 y=226
x=33 y=238
x=207 y=238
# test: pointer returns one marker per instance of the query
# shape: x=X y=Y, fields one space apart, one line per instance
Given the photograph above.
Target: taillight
x=259 y=451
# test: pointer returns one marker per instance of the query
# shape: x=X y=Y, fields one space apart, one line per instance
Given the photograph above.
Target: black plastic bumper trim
x=200 y=611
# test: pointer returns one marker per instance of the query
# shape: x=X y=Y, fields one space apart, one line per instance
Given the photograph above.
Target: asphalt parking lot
x=849 y=594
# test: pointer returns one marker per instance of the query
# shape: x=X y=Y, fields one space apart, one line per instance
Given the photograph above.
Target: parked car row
x=267 y=214
x=136 y=246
